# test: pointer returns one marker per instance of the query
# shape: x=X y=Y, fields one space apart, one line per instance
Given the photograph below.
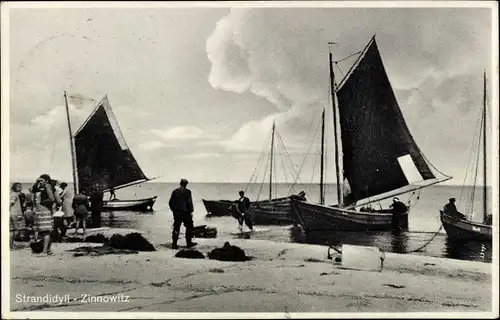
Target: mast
x=485 y=190
x=72 y=146
x=333 y=90
x=271 y=170
x=322 y=173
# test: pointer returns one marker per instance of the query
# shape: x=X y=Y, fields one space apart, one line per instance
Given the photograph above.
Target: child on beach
x=16 y=212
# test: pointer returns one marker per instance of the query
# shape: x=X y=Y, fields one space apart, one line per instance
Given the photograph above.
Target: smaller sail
x=102 y=155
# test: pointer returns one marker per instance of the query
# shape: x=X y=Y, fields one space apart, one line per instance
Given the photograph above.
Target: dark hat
x=452 y=199
x=241 y=192
x=184 y=181
x=45 y=177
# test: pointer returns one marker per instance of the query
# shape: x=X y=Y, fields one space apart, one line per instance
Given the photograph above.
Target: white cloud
x=151 y=145
x=201 y=155
x=182 y=133
x=282 y=55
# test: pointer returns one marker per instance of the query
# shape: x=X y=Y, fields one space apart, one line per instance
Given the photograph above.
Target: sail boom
x=400 y=191
x=133 y=183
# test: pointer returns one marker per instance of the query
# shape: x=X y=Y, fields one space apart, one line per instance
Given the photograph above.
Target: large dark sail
x=379 y=152
x=102 y=154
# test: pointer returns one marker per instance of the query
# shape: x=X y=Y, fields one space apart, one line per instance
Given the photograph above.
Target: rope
x=288 y=156
x=307 y=153
x=352 y=54
x=343 y=75
x=254 y=171
x=283 y=165
x=472 y=152
x=263 y=180
x=265 y=172
x=82 y=98
x=427 y=243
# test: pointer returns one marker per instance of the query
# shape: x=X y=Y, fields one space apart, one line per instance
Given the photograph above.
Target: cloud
x=182 y=133
x=151 y=145
x=201 y=155
x=282 y=55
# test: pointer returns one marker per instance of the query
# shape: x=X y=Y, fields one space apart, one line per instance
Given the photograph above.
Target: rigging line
x=262 y=184
x=430 y=163
x=307 y=153
x=297 y=177
x=264 y=147
x=317 y=154
x=343 y=75
x=352 y=54
x=82 y=98
x=285 y=151
x=471 y=153
x=264 y=178
x=280 y=144
x=309 y=130
x=256 y=168
x=476 y=171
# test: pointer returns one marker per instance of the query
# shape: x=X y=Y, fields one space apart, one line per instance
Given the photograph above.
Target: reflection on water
x=399 y=242
x=468 y=250
x=157 y=226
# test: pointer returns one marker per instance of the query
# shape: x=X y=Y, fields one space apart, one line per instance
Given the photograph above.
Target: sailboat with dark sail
x=276 y=210
x=380 y=158
x=102 y=159
x=461 y=229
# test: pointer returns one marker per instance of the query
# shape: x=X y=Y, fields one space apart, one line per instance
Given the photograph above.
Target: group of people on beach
x=48 y=210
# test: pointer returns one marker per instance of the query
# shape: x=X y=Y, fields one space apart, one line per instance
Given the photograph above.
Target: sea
x=424 y=223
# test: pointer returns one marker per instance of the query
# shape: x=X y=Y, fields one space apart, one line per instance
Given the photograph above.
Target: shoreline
x=281 y=277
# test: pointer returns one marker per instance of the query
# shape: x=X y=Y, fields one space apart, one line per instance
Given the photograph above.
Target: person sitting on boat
x=489 y=220
x=451 y=210
x=181 y=204
x=299 y=196
x=243 y=207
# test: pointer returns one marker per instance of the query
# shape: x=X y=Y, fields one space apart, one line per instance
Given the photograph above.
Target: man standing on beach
x=243 y=207
x=181 y=204
x=398 y=210
x=96 y=205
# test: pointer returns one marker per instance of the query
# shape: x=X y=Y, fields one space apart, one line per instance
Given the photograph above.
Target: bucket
x=362 y=258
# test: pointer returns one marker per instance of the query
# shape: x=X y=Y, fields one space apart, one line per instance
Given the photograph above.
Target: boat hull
x=316 y=217
x=465 y=230
x=274 y=211
x=145 y=204
x=218 y=208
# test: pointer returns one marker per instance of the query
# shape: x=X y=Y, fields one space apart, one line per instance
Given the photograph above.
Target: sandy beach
x=281 y=277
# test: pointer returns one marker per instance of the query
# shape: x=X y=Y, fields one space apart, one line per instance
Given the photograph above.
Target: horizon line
x=246 y=182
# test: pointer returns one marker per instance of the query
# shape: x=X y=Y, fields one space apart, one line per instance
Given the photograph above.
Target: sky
x=196 y=90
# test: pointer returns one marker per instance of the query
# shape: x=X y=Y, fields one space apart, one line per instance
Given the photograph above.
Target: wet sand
x=281 y=277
